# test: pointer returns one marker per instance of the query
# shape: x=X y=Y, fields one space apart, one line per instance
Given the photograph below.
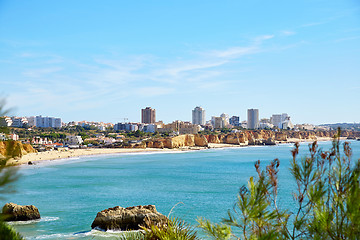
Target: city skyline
x=103 y=62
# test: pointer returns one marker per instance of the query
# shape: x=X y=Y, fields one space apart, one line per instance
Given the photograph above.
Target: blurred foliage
x=173 y=229
x=8 y=176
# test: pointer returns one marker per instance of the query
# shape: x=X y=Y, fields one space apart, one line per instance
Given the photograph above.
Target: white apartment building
x=5 y=121
x=19 y=121
x=198 y=116
x=44 y=122
x=281 y=121
x=217 y=122
x=74 y=140
x=220 y=122
x=225 y=119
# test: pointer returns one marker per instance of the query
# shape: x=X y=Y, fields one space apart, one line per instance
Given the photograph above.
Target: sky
x=105 y=60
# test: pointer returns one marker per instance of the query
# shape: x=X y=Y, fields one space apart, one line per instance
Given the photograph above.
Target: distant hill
x=349 y=126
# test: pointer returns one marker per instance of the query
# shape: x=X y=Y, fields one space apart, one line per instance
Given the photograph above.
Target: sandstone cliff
x=245 y=137
x=14 y=149
x=200 y=140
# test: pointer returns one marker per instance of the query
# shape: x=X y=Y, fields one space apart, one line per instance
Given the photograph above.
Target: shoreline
x=72 y=153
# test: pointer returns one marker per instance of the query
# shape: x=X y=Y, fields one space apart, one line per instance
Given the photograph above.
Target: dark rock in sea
x=30 y=163
x=14 y=212
x=130 y=218
x=270 y=141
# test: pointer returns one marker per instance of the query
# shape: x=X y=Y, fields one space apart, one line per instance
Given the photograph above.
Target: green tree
x=8 y=176
x=326 y=199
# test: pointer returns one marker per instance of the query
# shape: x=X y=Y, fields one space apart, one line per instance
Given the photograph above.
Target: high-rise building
x=198 y=116
x=225 y=119
x=235 y=121
x=217 y=122
x=253 y=118
x=148 y=115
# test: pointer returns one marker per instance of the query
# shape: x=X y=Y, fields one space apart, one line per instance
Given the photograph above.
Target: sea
x=182 y=184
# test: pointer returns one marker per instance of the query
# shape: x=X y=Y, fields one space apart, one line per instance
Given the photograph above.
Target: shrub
x=326 y=198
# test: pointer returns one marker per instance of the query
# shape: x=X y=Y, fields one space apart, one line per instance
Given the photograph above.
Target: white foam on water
x=55 y=236
x=43 y=219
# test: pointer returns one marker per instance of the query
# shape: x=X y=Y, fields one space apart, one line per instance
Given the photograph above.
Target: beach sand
x=71 y=153
x=52 y=155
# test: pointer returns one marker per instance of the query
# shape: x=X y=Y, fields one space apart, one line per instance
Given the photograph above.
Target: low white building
x=149 y=128
x=19 y=121
x=265 y=124
x=14 y=137
x=5 y=121
x=74 y=140
x=2 y=137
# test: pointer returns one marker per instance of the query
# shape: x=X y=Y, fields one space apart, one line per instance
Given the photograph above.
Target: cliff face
x=15 y=149
x=186 y=140
x=180 y=141
x=201 y=140
x=212 y=138
x=246 y=137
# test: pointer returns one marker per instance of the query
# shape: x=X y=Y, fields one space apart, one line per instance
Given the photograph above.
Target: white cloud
x=347 y=39
x=234 y=52
x=105 y=80
x=40 y=72
x=259 y=39
x=314 y=24
x=287 y=33
x=153 y=91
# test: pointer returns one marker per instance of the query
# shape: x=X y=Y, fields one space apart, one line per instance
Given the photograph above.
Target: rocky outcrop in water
x=15 y=212
x=130 y=218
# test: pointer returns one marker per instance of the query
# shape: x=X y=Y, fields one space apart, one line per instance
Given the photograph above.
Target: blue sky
x=105 y=60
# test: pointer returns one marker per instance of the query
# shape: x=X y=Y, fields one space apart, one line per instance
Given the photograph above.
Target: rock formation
x=14 y=212
x=213 y=139
x=270 y=141
x=15 y=149
x=130 y=218
x=245 y=137
x=200 y=140
x=158 y=144
x=231 y=139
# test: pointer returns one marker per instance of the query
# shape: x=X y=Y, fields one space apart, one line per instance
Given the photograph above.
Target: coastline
x=71 y=153
x=57 y=155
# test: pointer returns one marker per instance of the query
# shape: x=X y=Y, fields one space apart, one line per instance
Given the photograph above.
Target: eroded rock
x=15 y=212
x=130 y=218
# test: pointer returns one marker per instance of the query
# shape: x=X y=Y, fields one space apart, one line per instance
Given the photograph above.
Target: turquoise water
x=69 y=193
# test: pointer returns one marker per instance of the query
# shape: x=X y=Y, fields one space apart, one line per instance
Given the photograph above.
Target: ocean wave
x=43 y=219
x=55 y=236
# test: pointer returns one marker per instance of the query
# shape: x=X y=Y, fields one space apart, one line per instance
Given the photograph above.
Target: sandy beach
x=71 y=153
x=53 y=155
